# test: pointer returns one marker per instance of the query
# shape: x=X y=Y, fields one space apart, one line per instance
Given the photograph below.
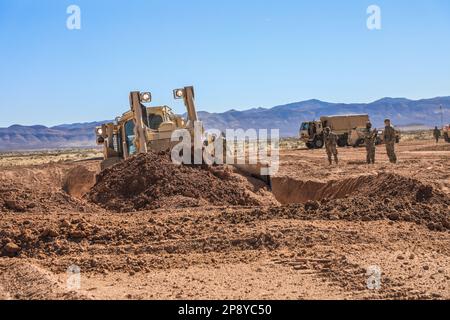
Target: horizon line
x=235 y=110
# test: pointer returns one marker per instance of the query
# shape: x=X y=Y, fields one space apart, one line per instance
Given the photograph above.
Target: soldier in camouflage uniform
x=370 y=138
x=389 y=140
x=437 y=134
x=330 y=140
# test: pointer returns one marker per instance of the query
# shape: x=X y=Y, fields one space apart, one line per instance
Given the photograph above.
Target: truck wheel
x=397 y=140
x=378 y=141
x=358 y=143
x=318 y=143
x=309 y=145
x=446 y=138
x=342 y=141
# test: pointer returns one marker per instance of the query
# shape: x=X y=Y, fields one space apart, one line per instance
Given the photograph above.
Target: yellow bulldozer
x=144 y=128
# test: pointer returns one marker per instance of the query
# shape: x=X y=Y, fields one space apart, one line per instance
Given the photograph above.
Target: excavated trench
x=288 y=190
x=150 y=179
x=364 y=198
x=380 y=186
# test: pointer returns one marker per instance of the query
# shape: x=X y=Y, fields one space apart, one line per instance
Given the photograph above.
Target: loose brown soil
x=152 y=181
x=366 y=198
x=40 y=188
x=151 y=230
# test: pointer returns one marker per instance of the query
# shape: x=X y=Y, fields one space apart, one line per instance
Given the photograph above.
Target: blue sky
x=238 y=54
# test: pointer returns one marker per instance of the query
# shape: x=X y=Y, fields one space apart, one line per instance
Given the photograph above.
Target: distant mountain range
x=424 y=113
x=75 y=135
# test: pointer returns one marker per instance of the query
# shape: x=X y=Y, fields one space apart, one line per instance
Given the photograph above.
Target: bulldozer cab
x=153 y=118
x=130 y=136
x=144 y=128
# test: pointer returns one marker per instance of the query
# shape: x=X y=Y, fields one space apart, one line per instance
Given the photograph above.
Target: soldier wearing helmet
x=389 y=140
x=436 y=134
x=370 y=138
x=330 y=140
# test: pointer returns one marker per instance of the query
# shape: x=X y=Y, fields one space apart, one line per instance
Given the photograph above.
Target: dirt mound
x=152 y=181
x=288 y=190
x=17 y=197
x=386 y=185
x=39 y=189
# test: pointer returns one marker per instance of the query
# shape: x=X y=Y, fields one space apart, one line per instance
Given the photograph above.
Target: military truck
x=342 y=125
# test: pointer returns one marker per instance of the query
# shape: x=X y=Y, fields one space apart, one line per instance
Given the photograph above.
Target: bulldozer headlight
x=146 y=97
x=178 y=93
x=99 y=131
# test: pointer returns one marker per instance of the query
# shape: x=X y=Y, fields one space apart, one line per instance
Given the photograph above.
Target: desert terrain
x=149 y=230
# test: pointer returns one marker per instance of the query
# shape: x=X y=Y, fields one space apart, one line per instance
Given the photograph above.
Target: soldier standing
x=370 y=138
x=330 y=140
x=437 y=134
x=389 y=140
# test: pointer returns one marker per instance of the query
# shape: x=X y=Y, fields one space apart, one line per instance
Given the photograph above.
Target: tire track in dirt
x=3 y=294
x=24 y=280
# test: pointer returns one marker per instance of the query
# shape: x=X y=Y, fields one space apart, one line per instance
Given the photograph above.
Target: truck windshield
x=305 y=126
x=129 y=136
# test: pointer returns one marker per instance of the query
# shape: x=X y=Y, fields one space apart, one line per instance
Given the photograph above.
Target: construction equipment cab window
x=154 y=121
x=129 y=137
x=305 y=126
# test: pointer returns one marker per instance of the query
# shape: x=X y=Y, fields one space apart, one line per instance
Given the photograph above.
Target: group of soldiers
x=370 y=139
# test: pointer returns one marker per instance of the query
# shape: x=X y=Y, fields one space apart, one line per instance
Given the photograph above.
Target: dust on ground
x=318 y=240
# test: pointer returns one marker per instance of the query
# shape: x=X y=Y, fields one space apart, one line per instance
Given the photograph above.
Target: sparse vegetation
x=292 y=143
x=417 y=135
x=24 y=158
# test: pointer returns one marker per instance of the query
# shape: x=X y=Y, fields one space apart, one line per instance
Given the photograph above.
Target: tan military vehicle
x=356 y=137
x=312 y=132
x=144 y=128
